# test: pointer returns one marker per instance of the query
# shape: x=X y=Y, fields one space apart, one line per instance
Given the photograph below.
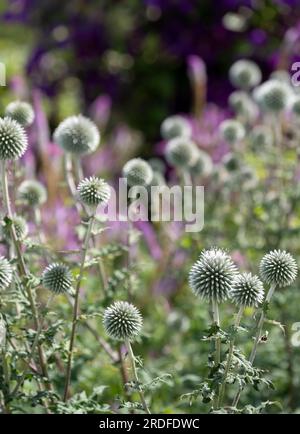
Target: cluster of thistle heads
x=215 y=278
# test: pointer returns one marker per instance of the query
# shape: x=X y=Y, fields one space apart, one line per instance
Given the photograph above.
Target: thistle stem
x=256 y=342
x=33 y=348
x=135 y=376
x=229 y=357
x=216 y=320
x=23 y=269
x=76 y=304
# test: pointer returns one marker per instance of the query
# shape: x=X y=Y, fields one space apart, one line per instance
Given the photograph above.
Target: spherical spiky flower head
x=175 y=126
x=93 y=191
x=245 y=74
x=203 y=165
x=181 y=152
x=57 y=278
x=232 y=131
x=20 y=227
x=211 y=277
x=295 y=105
x=6 y=273
x=122 y=321
x=13 y=139
x=32 y=193
x=77 y=135
x=137 y=172
x=278 y=268
x=273 y=96
x=261 y=136
x=247 y=290
x=231 y=162
x=20 y=111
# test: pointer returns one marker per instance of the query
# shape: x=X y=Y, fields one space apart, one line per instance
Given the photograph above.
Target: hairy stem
x=135 y=376
x=24 y=275
x=229 y=357
x=216 y=320
x=256 y=341
x=76 y=304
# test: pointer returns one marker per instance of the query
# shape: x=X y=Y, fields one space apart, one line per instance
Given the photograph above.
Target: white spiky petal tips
x=57 y=278
x=245 y=74
x=232 y=131
x=247 y=290
x=212 y=276
x=21 y=112
x=181 y=152
x=93 y=191
x=77 y=135
x=122 y=321
x=175 y=126
x=278 y=268
x=273 y=96
x=32 y=193
x=138 y=172
x=13 y=139
x=6 y=273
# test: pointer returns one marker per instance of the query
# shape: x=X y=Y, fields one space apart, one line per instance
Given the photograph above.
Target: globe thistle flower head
x=181 y=152
x=273 y=96
x=137 y=172
x=232 y=131
x=203 y=165
x=211 y=277
x=243 y=105
x=77 y=135
x=158 y=179
x=279 y=268
x=175 y=126
x=295 y=105
x=157 y=165
x=32 y=193
x=245 y=74
x=247 y=290
x=57 y=278
x=231 y=162
x=122 y=321
x=6 y=273
x=20 y=227
x=20 y=111
x=93 y=191
x=13 y=139
x=261 y=137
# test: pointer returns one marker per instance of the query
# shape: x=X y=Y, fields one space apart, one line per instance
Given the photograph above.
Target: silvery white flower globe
x=20 y=227
x=32 y=193
x=232 y=131
x=6 y=273
x=247 y=290
x=20 y=111
x=93 y=191
x=13 y=139
x=175 y=126
x=245 y=74
x=122 y=321
x=77 y=135
x=137 y=172
x=203 y=165
x=279 y=268
x=212 y=276
x=273 y=96
x=261 y=136
x=57 y=278
x=181 y=152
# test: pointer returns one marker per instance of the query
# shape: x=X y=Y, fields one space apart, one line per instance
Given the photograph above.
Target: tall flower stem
x=135 y=375
x=76 y=303
x=32 y=350
x=256 y=342
x=229 y=357
x=216 y=320
x=24 y=275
